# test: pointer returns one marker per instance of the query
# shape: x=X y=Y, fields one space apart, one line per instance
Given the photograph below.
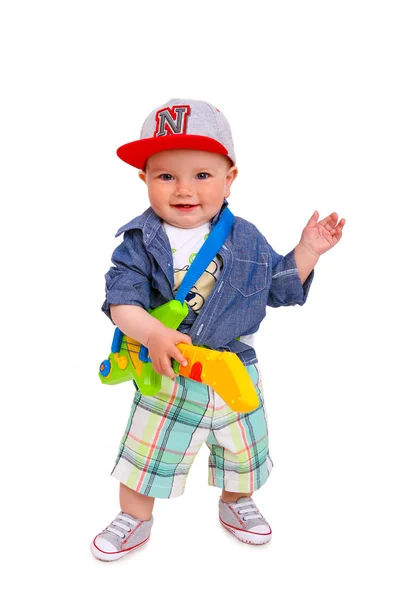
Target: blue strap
x=206 y=253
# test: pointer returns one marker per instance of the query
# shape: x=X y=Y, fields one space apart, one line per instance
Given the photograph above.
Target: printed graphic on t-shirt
x=201 y=290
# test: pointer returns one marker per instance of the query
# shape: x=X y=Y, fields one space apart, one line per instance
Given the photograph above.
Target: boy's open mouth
x=185 y=206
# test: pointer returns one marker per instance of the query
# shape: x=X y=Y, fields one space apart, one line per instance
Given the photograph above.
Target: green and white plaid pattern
x=165 y=432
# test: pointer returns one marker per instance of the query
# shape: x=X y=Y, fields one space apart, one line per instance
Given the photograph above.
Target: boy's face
x=187 y=187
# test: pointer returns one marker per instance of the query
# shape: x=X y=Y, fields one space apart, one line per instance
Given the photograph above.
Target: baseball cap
x=180 y=124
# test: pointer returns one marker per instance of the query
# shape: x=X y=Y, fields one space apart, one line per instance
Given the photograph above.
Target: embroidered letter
x=171 y=120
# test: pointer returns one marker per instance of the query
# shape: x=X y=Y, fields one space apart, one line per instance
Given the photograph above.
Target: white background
x=311 y=89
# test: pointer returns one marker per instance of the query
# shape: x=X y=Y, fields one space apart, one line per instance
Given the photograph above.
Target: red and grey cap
x=180 y=124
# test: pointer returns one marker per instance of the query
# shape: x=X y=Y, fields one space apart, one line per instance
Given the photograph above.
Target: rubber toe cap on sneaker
x=104 y=545
x=262 y=529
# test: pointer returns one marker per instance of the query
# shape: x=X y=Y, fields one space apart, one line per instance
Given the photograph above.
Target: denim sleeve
x=286 y=288
x=128 y=281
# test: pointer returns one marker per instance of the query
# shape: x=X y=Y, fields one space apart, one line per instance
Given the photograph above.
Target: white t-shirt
x=185 y=244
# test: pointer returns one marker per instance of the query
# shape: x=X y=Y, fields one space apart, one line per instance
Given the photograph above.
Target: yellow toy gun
x=223 y=371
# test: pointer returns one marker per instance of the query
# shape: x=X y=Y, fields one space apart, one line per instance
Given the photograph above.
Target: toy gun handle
x=129 y=359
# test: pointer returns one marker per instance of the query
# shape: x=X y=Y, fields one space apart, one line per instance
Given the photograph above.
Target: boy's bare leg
x=233 y=496
x=135 y=504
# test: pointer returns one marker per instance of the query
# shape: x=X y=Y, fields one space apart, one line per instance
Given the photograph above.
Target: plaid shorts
x=165 y=432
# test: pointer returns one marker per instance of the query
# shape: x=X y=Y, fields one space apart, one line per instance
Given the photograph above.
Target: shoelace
x=117 y=523
x=252 y=509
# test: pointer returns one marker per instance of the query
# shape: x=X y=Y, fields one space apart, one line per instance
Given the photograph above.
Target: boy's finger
x=313 y=219
x=177 y=355
x=329 y=221
x=167 y=369
x=184 y=339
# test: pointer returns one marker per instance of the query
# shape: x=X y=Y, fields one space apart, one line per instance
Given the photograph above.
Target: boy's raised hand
x=320 y=236
x=161 y=345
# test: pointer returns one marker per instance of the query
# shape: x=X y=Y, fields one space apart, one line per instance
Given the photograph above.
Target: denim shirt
x=253 y=276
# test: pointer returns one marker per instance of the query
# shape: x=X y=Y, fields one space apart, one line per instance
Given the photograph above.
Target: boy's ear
x=229 y=179
x=142 y=176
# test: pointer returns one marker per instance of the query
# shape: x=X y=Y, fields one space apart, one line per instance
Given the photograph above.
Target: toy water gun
x=223 y=371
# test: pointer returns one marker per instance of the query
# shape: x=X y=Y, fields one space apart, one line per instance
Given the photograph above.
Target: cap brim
x=137 y=153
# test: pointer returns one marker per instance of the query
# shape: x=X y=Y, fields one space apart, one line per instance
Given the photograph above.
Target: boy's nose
x=184 y=191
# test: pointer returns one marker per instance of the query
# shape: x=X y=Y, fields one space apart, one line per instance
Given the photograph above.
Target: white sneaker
x=244 y=520
x=122 y=536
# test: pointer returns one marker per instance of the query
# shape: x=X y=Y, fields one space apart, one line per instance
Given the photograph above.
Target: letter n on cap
x=171 y=120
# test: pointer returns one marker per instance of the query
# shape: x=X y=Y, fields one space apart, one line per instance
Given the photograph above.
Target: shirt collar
x=149 y=223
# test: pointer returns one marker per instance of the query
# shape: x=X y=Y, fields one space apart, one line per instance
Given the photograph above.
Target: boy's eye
x=166 y=177
x=202 y=175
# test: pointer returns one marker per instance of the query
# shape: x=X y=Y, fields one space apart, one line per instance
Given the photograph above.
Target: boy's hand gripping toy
x=223 y=371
